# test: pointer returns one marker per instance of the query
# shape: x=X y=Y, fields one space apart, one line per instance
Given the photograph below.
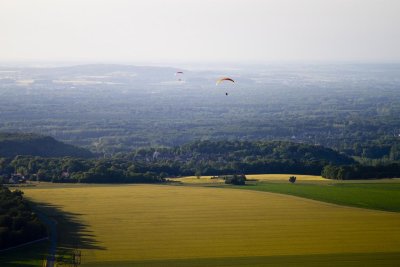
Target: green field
x=385 y=196
x=371 y=194
x=161 y=225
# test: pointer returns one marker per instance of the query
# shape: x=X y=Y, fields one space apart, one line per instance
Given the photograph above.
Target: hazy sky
x=199 y=30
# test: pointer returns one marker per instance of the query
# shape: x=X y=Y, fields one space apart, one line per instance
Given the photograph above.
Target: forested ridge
x=13 y=144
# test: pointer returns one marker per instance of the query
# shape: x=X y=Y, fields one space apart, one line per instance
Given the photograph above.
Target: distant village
x=18 y=178
x=15 y=178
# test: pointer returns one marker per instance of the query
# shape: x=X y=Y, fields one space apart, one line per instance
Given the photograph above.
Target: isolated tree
x=236 y=180
x=198 y=174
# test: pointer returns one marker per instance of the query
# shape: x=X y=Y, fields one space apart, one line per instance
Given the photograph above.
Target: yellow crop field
x=316 y=179
x=131 y=223
x=258 y=177
x=195 y=180
x=285 y=177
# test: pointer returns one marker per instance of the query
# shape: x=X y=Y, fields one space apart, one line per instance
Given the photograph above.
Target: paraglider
x=225 y=79
x=179 y=75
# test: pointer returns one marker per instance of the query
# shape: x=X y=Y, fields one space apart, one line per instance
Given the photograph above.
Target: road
x=52 y=227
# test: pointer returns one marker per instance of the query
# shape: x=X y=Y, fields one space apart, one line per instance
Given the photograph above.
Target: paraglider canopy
x=225 y=79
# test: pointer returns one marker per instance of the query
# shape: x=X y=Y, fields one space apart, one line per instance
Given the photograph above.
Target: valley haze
x=110 y=108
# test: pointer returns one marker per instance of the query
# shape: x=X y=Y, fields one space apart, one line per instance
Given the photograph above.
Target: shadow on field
x=26 y=256
x=71 y=231
x=68 y=234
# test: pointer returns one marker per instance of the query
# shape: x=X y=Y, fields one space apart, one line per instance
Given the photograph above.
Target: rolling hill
x=13 y=144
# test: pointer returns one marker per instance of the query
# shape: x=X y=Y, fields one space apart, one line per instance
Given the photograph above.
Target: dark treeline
x=384 y=149
x=73 y=170
x=354 y=172
x=153 y=165
x=18 y=224
x=201 y=157
x=222 y=157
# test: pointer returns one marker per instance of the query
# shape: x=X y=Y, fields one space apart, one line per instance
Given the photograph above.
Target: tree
x=198 y=174
x=236 y=179
x=22 y=170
